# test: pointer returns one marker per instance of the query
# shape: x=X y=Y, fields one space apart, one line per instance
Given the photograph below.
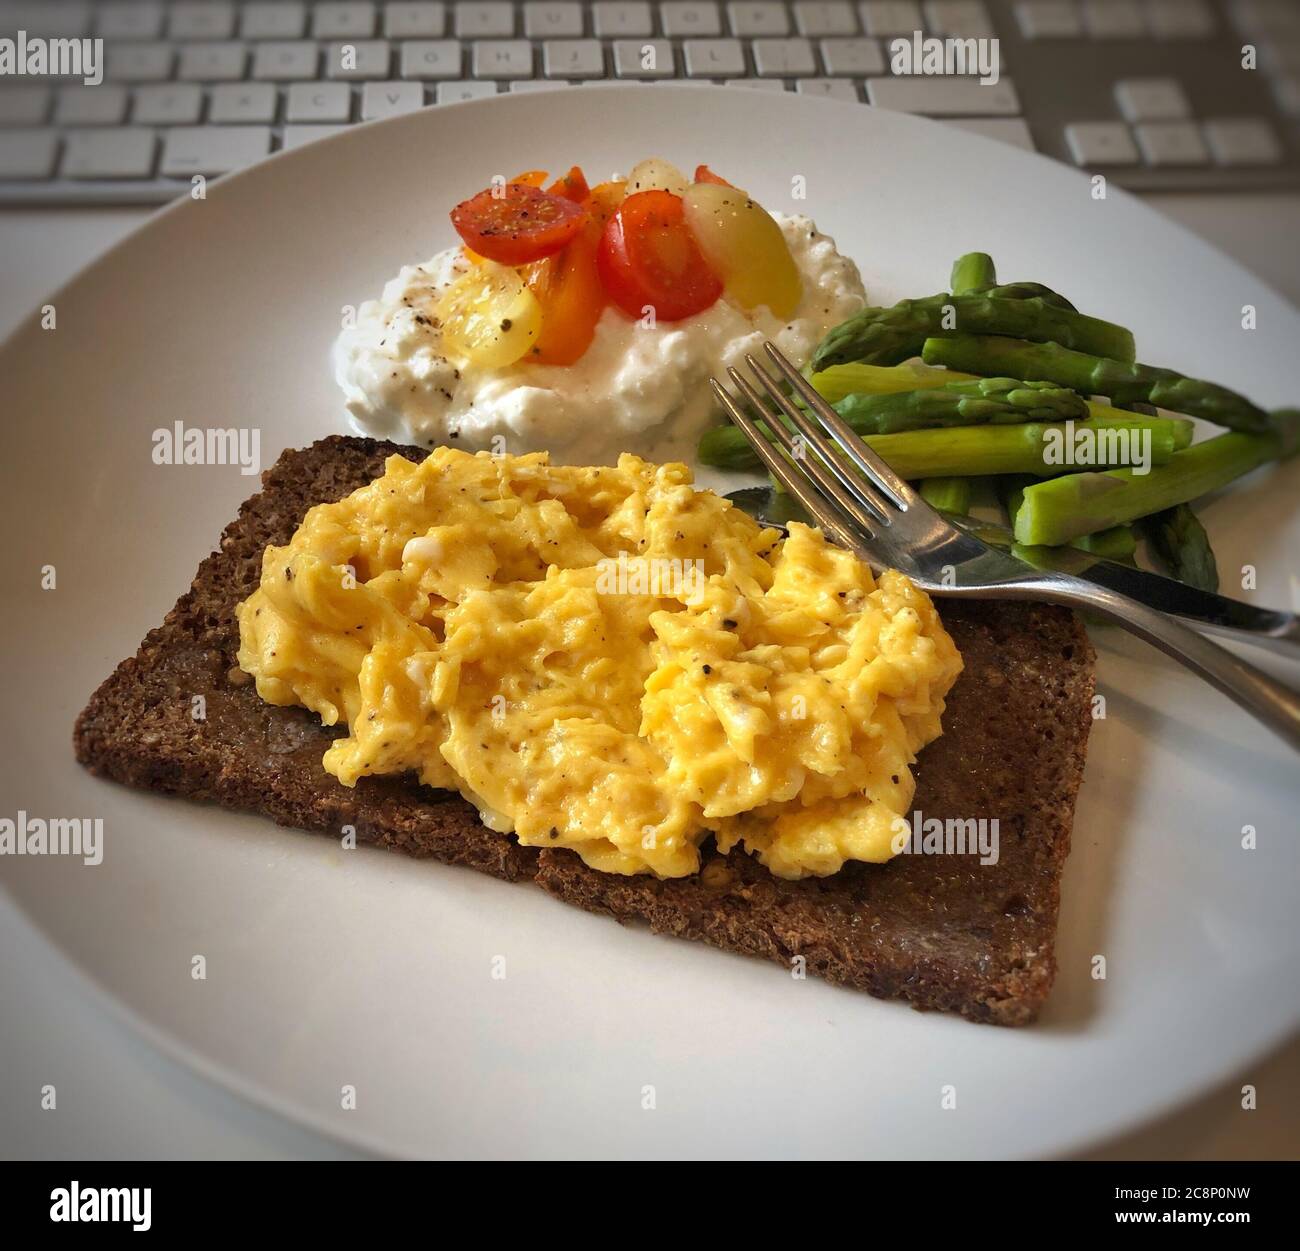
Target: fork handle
x=1276 y=705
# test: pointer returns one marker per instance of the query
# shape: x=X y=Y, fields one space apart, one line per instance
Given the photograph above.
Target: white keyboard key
x=484 y=20
x=45 y=17
x=456 y=93
x=431 y=58
x=209 y=19
x=27 y=153
x=138 y=62
x=1152 y=100
x=783 y=58
x=814 y=18
x=389 y=99
x=273 y=21
x=123 y=152
x=1172 y=143
x=1114 y=19
x=213 y=150
x=1010 y=130
x=242 y=103
x=852 y=56
x=559 y=20
x=286 y=62
x=945 y=96
x=643 y=58
x=690 y=19
x=167 y=104
x=714 y=58
x=1279 y=18
x=833 y=88
x=1243 y=141
x=622 y=19
x=521 y=85
x=573 y=58
x=1049 y=19
x=891 y=17
x=212 y=62
x=759 y=84
x=351 y=20
x=966 y=19
x=297 y=136
x=414 y=21
x=104 y=105
x=503 y=58
x=1287 y=92
x=319 y=102
x=24 y=106
x=358 y=60
x=138 y=20
x=1101 y=143
x=755 y=20
x=1180 y=19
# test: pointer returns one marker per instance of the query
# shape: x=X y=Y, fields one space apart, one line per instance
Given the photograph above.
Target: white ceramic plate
x=327 y=968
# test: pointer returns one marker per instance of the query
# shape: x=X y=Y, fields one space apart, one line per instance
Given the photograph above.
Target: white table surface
x=119 y=1096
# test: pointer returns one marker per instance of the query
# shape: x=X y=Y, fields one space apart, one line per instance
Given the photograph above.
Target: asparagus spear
x=835 y=383
x=1029 y=291
x=725 y=447
x=1124 y=383
x=1117 y=543
x=973 y=272
x=948 y=495
x=1179 y=540
x=1063 y=509
x=887 y=336
x=997 y=400
x=956 y=452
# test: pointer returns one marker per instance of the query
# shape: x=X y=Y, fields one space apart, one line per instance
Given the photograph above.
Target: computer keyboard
x=1151 y=92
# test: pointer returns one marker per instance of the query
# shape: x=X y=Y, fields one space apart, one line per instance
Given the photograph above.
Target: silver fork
x=878 y=517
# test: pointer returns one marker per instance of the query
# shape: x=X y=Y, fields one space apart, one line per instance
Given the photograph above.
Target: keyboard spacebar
x=212 y=150
x=945 y=97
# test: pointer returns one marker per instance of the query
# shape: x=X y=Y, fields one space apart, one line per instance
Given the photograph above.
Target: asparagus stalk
x=1124 y=383
x=973 y=272
x=997 y=400
x=1030 y=291
x=1117 y=543
x=975 y=451
x=835 y=383
x=725 y=447
x=948 y=495
x=1179 y=540
x=1063 y=509
x=888 y=336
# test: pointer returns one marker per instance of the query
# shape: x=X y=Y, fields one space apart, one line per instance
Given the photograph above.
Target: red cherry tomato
x=517 y=224
x=704 y=174
x=649 y=258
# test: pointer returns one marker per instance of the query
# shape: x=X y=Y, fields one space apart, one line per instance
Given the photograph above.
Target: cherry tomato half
x=704 y=174
x=573 y=186
x=568 y=286
x=649 y=259
x=517 y=223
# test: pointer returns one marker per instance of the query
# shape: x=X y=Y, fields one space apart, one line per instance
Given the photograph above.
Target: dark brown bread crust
x=941 y=931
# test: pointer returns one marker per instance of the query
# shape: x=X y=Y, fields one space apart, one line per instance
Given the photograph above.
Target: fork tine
x=846 y=499
x=814 y=503
x=875 y=469
x=861 y=491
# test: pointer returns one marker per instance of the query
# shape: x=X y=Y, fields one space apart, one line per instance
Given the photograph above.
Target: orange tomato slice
x=568 y=285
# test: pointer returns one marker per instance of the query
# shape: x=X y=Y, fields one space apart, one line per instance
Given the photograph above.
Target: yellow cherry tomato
x=489 y=316
x=656 y=174
x=745 y=247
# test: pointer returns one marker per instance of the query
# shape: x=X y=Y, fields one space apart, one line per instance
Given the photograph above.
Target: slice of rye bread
x=942 y=931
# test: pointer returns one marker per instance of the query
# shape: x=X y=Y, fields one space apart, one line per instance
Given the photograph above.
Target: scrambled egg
x=606 y=659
